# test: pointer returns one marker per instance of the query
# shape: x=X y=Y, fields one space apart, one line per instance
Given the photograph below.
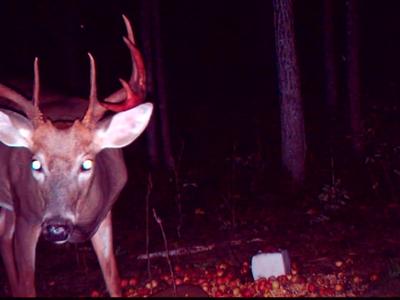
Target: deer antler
x=138 y=76
x=30 y=108
x=131 y=93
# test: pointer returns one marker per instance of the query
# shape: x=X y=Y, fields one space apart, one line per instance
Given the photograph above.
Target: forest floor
x=352 y=252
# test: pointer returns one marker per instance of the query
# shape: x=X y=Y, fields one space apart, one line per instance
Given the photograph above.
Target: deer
x=62 y=169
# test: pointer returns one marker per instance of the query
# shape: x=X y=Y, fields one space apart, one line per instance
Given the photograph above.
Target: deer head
x=63 y=156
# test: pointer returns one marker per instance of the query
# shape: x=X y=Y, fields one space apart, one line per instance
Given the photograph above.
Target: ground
x=352 y=251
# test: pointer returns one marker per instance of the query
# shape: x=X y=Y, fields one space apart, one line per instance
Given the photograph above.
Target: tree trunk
x=353 y=76
x=146 y=37
x=157 y=85
x=161 y=88
x=331 y=70
x=292 y=119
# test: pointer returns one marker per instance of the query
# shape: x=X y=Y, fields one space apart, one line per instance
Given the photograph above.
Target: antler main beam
x=131 y=93
x=137 y=80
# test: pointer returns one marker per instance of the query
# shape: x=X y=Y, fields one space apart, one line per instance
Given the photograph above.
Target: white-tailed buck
x=62 y=169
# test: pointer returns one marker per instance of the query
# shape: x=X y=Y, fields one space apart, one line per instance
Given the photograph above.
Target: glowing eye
x=87 y=165
x=36 y=165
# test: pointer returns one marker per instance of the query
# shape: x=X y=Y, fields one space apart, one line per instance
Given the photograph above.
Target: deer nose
x=57 y=230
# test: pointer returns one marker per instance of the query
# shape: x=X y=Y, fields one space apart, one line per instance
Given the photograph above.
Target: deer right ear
x=124 y=127
x=15 y=130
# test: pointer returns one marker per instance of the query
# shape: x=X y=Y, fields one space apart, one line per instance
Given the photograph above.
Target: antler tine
x=30 y=109
x=129 y=31
x=36 y=84
x=93 y=85
x=38 y=117
x=94 y=110
x=137 y=80
x=130 y=41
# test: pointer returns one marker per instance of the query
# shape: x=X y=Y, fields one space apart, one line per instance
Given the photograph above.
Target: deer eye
x=36 y=165
x=87 y=165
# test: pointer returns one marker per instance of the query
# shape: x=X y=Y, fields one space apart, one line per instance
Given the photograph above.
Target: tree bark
x=161 y=89
x=331 y=70
x=157 y=83
x=146 y=37
x=353 y=76
x=293 y=145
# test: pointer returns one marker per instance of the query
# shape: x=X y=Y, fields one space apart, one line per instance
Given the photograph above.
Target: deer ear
x=15 y=130
x=123 y=128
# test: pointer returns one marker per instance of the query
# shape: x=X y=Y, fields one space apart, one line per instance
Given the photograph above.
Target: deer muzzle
x=57 y=230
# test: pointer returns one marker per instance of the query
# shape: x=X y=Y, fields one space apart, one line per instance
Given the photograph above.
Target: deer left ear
x=15 y=130
x=123 y=128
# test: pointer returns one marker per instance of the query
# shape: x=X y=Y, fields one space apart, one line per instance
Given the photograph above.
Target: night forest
x=274 y=128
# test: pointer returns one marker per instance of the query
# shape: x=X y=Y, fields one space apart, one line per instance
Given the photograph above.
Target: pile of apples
x=224 y=280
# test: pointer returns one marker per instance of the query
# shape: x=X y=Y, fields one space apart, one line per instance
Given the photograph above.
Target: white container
x=264 y=265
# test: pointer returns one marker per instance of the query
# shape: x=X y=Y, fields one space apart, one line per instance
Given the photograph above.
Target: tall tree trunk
x=331 y=70
x=292 y=119
x=353 y=75
x=157 y=85
x=161 y=88
x=146 y=37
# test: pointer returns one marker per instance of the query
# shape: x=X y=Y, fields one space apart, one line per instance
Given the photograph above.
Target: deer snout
x=57 y=230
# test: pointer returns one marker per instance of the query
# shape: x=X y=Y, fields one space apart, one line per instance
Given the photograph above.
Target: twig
x=149 y=189
x=197 y=249
x=158 y=220
x=333 y=170
x=178 y=189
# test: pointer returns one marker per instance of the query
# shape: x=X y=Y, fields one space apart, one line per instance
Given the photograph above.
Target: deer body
x=62 y=170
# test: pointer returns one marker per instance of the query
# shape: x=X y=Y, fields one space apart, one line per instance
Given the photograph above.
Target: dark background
x=221 y=87
x=219 y=65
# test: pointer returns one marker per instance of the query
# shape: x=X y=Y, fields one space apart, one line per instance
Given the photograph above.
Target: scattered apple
x=339 y=287
x=357 y=279
x=124 y=283
x=133 y=281
x=95 y=294
x=339 y=263
x=275 y=284
x=374 y=277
